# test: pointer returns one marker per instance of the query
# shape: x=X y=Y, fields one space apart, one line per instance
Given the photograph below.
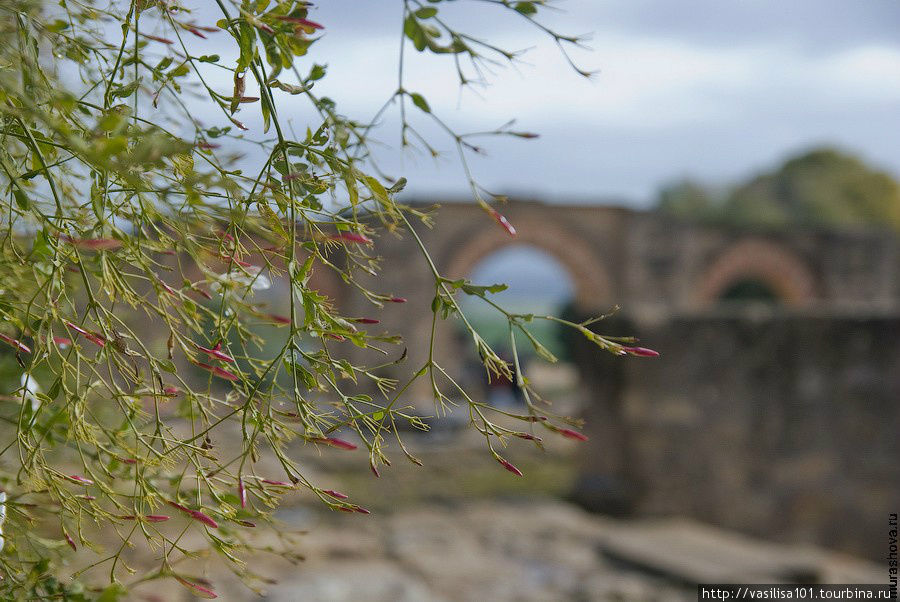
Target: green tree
x=124 y=214
x=822 y=187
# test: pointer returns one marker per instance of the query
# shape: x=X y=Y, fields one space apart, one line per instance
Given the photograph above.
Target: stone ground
x=536 y=549
x=519 y=549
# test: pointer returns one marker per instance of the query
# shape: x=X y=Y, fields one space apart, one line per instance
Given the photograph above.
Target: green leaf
x=526 y=8
x=112 y=593
x=317 y=72
x=21 y=199
x=124 y=91
x=413 y=30
x=426 y=12
x=420 y=102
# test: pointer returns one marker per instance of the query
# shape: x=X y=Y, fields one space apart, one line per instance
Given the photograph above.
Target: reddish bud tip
x=335 y=442
x=215 y=352
x=573 y=434
x=275 y=483
x=195 y=514
x=242 y=493
x=17 y=344
x=221 y=373
x=156 y=518
x=279 y=319
x=504 y=223
x=158 y=39
x=361 y=510
x=79 y=479
x=641 y=351
x=398 y=299
x=351 y=237
x=366 y=321
x=245 y=523
x=171 y=391
x=70 y=541
x=199 y=590
x=62 y=341
x=335 y=494
x=508 y=466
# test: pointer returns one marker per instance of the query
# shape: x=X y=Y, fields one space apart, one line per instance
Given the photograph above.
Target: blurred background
x=728 y=176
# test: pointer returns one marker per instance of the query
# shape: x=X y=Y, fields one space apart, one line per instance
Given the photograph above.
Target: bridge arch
x=593 y=288
x=780 y=269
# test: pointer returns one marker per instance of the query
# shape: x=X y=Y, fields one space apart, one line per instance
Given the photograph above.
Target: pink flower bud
x=279 y=319
x=156 y=518
x=17 y=344
x=128 y=460
x=641 y=351
x=502 y=221
x=242 y=493
x=528 y=437
x=351 y=237
x=397 y=299
x=196 y=515
x=79 y=479
x=207 y=145
x=92 y=337
x=171 y=391
x=573 y=434
x=198 y=590
x=70 y=541
x=335 y=442
x=218 y=371
x=62 y=341
x=336 y=337
x=374 y=470
x=366 y=320
x=361 y=510
x=335 y=494
x=158 y=39
x=306 y=23
x=508 y=466
x=215 y=352
x=275 y=483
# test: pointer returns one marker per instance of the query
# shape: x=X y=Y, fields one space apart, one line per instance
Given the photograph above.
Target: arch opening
x=749 y=290
x=539 y=284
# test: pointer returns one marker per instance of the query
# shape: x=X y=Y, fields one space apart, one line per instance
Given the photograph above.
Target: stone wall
x=781 y=425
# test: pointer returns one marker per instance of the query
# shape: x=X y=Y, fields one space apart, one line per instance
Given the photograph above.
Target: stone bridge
x=647 y=263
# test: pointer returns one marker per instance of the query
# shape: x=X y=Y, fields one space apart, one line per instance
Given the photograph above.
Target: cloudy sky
x=704 y=88
x=712 y=89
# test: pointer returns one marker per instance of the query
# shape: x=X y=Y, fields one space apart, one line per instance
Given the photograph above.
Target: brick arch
x=590 y=278
x=786 y=273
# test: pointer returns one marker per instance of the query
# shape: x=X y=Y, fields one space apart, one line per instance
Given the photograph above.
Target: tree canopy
x=147 y=391
x=822 y=187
